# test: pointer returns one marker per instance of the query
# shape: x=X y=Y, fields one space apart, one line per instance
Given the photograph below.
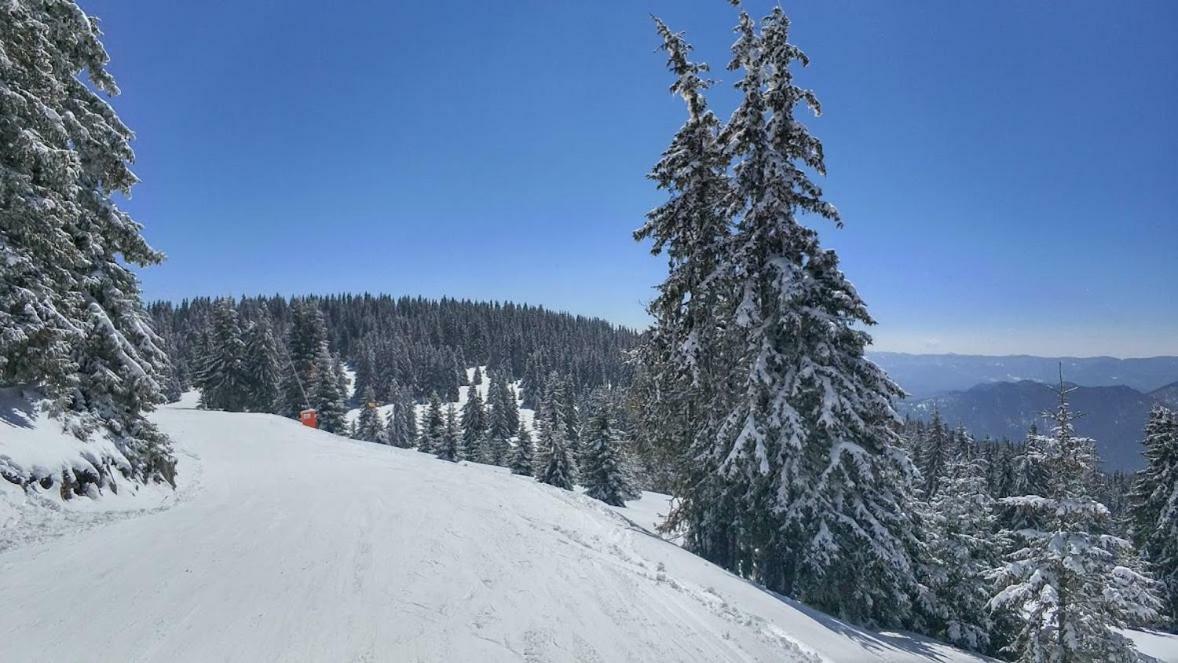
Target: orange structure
x=309 y=417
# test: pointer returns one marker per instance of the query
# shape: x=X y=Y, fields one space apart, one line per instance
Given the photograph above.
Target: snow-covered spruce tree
x=602 y=471
x=509 y=401
x=563 y=411
x=933 y=455
x=306 y=339
x=402 y=424
x=557 y=468
x=961 y=540
x=326 y=397
x=496 y=450
x=683 y=356
x=474 y=425
x=522 y=453
x=449 y=445
x=432 y=425
x=263 y=372
x=369 y=424
x=1153 y=505
x=813 y=493
x=503 y=416
x=1067 y=583
x=477 y=378
x=223 y=382
x=71 y=318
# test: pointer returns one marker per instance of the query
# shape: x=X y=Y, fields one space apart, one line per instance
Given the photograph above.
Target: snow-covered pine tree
x=522 y=453
x=813 y=493
x=684 y=360
x=564 y=408
x=326 y=396
x=477 y=378
x=933 y=455
x=341 y=376
x=448 y=446
x=432 y=426
x=369 y=424
x=1153 y=504
x=495 y=450
x=602 y=470
x=1067 y=582
x=263 y=372
x=71 y=318
x=402 y=429
x=961 y=541
x=503 y=415
x=510 y=404
x=557 y=468
x=306 y=338
x=224 y=380
x=474 y=425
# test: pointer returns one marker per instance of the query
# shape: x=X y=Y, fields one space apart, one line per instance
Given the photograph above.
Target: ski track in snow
x=289 y=544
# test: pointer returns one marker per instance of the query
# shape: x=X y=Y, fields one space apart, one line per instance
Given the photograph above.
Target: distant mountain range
x=1113 y=416
x=1000 y=397
x=923 y=376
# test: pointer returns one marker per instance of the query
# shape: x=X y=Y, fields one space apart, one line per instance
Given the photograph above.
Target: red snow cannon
x=309 y=417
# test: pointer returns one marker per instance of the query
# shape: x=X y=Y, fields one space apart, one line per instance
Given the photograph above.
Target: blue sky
x=1007 y=171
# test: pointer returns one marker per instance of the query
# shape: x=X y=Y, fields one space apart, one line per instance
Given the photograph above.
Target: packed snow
x=285 y=543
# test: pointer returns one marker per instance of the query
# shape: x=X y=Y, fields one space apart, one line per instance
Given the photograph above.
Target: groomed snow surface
x=284 y=543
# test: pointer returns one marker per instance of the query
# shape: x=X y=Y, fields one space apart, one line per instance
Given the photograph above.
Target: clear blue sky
x=1007 y=171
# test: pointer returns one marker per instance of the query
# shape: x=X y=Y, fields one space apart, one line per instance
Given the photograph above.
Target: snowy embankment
x=41 y=464
x=289 y=544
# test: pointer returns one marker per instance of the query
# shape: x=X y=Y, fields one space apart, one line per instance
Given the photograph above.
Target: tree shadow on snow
x=16 y=411
x=895 y=641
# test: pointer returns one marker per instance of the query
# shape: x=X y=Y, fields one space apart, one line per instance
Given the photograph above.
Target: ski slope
x=284 y=543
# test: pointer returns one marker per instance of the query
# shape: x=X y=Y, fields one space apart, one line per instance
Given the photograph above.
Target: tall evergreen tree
x=684 y=358
x=433 y=425
x=71 y=318
x=402 y=425
x=933 y=455
x=224 y=380
x=327 y=398
x=448 y=446
x=557 y=468
x=602 y=471
x=1153 y=504
x=1067 y=581
x=306 y=339
x=522 y=453
x=263 y=372
x=962 y=543
x=808 y=491
x=474 y=425
x=369 y=424
x=564 y=409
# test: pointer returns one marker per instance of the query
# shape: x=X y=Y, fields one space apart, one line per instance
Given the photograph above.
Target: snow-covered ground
x=285 y=543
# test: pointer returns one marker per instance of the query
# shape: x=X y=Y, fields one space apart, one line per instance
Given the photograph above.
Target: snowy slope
x=289 y=544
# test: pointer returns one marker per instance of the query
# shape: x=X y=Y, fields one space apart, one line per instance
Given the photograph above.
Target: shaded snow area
x=286 y=543
x=38 y=456
x=526 y=416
